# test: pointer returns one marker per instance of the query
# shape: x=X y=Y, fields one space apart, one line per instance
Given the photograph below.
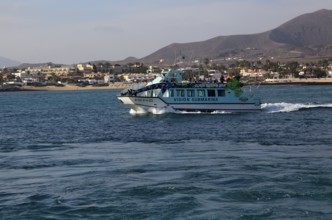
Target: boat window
x=201 y=92
x=171 y=92
x=156 y=92
x=180 y=92
x=211 y=92
x=221 y=92
x=166 y=93
x=191 y=93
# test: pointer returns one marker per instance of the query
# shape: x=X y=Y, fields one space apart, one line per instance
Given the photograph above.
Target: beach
x=122 y=85
x=311 y=81
x=75 y=87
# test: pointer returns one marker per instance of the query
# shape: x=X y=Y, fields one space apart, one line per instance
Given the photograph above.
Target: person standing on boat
x=222 y=78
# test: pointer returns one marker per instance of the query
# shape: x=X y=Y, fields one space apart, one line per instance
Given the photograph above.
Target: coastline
x=117 y=85
x=297 y=81
x=65 y=87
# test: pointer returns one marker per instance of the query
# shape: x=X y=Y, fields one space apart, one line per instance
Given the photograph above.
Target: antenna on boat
x=174 y=63
x=161 y=64
x=191 y=56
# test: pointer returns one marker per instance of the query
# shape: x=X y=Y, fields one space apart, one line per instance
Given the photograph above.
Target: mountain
x=125 y=61
x=27 y=65
x=8 y=62
x=306 y=37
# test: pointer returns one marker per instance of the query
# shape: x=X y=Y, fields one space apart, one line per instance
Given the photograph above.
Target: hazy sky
x=73 y=31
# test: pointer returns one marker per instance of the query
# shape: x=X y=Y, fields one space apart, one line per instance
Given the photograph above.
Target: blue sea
x=83 y=155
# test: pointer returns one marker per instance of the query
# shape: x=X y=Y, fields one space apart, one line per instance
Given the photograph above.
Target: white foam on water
x=266 y=107
x=158 y=111
x=222 y=112
x=290 y=107
x=185 y=112
x=155 y=111
x=140 y=112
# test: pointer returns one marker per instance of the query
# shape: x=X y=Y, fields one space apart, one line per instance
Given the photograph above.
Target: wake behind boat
x=170 y=91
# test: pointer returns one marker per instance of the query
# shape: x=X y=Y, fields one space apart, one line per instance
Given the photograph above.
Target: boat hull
x=156 y=103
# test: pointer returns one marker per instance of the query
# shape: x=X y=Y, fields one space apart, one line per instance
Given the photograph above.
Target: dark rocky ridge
x=308 y=36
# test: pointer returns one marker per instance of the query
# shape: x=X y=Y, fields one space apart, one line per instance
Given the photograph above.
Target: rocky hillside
x=308 y=36
x=5 y=62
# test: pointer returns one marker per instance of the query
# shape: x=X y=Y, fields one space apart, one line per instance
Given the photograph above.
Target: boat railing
x=138 y=88
x=133 y=87
x=207 y=85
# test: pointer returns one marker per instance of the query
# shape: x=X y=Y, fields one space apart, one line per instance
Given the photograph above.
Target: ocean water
x=83 y=155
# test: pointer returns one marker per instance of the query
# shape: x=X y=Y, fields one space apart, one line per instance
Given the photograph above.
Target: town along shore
x=122 y=85
x=301 y=81
x=5 y=88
